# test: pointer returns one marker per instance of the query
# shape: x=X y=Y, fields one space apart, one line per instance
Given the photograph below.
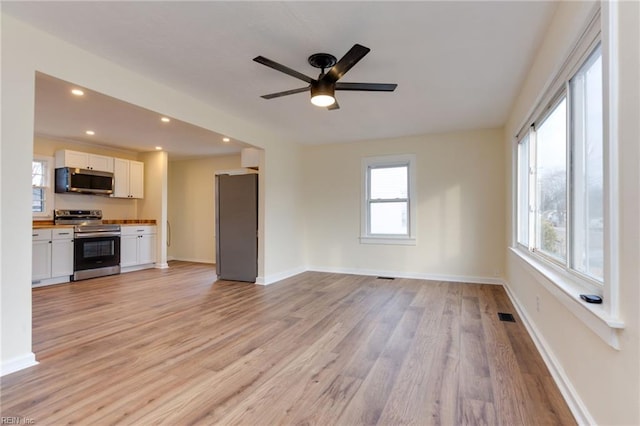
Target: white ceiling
x=458 y=65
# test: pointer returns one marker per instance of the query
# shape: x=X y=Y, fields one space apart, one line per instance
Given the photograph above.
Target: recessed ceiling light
x=165 y=119
x=77 y=92
x=159 y=148
x=225 y=139
x=90 y=132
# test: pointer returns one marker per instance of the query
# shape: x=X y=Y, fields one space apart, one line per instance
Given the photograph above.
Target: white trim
x=571 y=397
x=164 y=265
x=273 y=278
x=610 y=62
x=18 y=363
x=595 y=317
x=412 y=275
x=399 y=241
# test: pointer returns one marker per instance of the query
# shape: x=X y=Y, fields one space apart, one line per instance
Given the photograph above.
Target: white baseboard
x=270 y=279
x=164 y=265
x=577 y=407
x=412 y=275
x=18 y=363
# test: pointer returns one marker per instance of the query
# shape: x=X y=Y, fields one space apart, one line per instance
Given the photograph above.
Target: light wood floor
x=173 y=347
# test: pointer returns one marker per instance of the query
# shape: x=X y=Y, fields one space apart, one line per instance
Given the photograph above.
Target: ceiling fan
x=323 y=88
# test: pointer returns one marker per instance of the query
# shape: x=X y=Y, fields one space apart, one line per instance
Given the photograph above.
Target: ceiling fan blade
x=345 y=63
x=333 y=106
x=285 y=93
x=279 y=67
x=367 y=87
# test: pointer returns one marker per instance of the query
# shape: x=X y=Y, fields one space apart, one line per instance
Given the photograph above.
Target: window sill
x=399 y=241
x=567 y=290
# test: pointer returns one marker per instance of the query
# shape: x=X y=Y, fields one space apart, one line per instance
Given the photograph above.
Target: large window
x=560 y=200
x=41 y=187
x=387 y=199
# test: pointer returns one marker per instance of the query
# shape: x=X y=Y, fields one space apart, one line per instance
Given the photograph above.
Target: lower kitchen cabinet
x=137 y=247
x=52 y=258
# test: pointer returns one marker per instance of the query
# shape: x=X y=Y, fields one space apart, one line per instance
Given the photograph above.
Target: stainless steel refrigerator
x=237 y=226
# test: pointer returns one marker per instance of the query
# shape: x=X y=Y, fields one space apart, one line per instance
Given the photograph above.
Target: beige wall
x=26 y=50
x=601 y=383
x=192 y=206
x=460 y=224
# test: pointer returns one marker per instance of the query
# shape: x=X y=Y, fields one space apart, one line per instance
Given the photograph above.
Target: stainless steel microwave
x=82 y=181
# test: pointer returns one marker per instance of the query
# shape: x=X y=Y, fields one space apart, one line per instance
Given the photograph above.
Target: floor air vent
x=506 y=317
x=386 y=278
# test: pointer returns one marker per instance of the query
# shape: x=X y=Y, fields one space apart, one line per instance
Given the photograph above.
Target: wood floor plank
x=176 y=347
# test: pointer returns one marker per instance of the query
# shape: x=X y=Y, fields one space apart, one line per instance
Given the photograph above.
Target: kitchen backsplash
x=112 y=208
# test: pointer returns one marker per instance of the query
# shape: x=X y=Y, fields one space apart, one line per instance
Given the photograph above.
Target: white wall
x=192 y=206
x=26 y=50
x=460 y=224
x=602 y=383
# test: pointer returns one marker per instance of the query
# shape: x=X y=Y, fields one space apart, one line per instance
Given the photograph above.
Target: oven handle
x=96 y=234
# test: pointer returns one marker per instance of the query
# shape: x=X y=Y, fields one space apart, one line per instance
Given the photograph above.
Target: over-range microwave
x=82 y=181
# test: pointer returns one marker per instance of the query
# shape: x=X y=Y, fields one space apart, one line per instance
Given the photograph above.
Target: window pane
x=523 y=191
x=587 y=168
x=38 y=200
x=389 y=218
x=38 y=176
x=551 y=183
x=389 y=183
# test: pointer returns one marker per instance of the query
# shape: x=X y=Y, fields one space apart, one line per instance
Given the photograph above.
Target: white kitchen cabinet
x=62 y=253
x=41 y=254
x=128 y=178
x=52 y=256
x=137 y=247
x=84 y=160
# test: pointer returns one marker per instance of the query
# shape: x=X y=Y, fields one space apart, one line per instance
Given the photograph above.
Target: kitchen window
x=388 y=200
x=42 y=187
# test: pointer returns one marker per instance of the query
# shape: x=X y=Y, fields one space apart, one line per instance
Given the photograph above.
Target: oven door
x=94 y=250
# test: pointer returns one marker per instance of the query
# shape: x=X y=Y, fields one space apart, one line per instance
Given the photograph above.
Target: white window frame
x=49 y=204
x=368 y=163
x=563 y=282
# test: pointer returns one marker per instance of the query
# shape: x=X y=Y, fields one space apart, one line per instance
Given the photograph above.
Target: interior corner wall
x=460 y=218
x=26 y=50
x=602 y=383
x=192 y=184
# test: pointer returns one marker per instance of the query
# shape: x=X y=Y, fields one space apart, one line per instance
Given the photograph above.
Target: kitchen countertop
x=42 y=224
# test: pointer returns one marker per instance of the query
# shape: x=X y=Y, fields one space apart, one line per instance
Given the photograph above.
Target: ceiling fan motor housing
x=322 y=60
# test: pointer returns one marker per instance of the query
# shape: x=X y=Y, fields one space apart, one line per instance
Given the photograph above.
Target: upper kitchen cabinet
x=128 y=178
x=83 y=160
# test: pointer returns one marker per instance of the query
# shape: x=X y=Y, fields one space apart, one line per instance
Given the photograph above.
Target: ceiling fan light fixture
x=323 y=100
x=322 y=94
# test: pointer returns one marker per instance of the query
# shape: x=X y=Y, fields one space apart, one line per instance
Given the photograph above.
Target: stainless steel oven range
x=96 y=247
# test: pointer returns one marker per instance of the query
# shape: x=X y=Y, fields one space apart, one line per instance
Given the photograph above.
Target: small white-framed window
x=42 y=187
x=388 y=200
